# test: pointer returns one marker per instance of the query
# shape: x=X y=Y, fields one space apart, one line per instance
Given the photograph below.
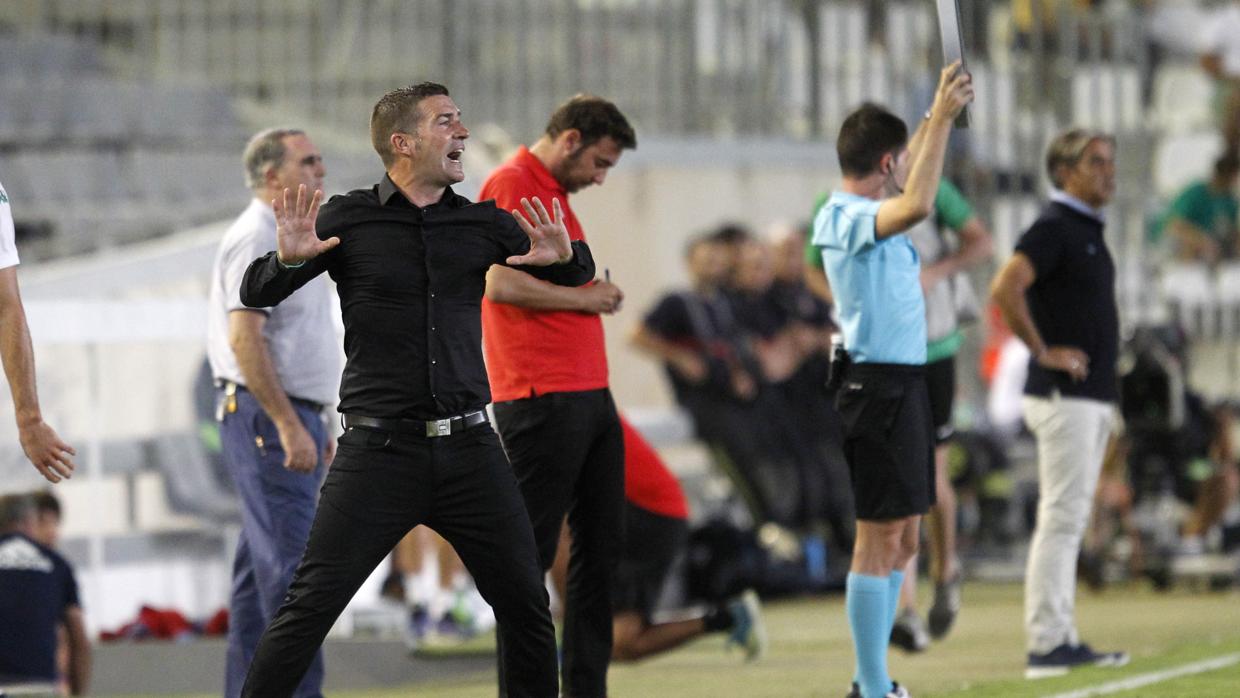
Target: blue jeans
x=277 y=507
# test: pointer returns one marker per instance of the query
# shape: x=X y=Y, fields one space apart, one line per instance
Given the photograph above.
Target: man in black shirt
x=1057 y=293
x=410 y=257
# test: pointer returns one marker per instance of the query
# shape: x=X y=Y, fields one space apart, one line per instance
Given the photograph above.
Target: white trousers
x=1071 y=434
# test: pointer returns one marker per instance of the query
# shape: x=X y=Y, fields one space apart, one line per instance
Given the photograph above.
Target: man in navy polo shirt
x=37 y=593
x=889 y=185
x=1057 y=293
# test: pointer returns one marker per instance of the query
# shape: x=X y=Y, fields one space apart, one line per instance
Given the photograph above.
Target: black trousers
x=381 y=485
x=567 y=450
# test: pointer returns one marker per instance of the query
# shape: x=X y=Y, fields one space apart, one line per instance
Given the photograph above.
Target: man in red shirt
x=657 y=520
x=548 y=369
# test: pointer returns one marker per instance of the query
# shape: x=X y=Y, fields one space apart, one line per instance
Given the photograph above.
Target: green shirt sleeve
x=1193 y=205
x=950 y=206
x=813 y=253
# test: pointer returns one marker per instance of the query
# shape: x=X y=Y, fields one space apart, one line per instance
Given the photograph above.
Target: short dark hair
x=398 y=111
x=1227 y=164
x=866 y=136
x=732 y=233
x=46 y=503
x=16 y=510
x=596 y=118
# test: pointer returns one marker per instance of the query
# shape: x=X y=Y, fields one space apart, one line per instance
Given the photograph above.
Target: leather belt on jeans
x=429 y=428
x=231 y=387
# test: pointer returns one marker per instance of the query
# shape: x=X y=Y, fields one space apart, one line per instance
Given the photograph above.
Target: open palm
x=549 y=242
x=296 y=240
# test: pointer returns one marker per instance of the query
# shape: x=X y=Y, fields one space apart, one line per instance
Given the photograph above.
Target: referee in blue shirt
x=889 y=185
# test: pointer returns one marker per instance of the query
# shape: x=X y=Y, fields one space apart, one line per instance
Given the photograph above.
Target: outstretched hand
x=549 y=242
x=296 y=240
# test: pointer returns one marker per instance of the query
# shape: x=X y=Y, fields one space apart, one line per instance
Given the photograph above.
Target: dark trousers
x=383 y=484
x=277 y=506
x=567 y=450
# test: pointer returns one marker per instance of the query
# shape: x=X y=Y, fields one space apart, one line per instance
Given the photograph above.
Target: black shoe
x=909 y=632
x=897 y=691
x=1065 y=657
x=946 y=606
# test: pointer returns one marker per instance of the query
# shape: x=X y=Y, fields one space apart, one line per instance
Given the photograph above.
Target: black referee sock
x=718 y=619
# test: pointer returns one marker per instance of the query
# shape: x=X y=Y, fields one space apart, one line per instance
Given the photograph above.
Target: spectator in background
x=693 y=332
x=1057 y=293
x=276 y=369
x=1202 y=221
x=1220 y=58
x=49 y=455
x=47 y=519
x=947 y=291
x=444 y=608
x=38 y=593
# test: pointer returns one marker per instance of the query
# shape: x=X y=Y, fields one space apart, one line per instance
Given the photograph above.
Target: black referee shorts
x=888 y=439
x=941 y=384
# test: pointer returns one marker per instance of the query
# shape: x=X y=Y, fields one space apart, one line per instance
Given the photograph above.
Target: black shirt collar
x=387 y=189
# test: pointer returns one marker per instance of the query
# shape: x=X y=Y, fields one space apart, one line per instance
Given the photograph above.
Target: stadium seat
x=1180 y=158
x=1189 y=292
x=192 y=485
x=1227 y=292
x=1107 y=97
x=994 y=115
x=1182 y=96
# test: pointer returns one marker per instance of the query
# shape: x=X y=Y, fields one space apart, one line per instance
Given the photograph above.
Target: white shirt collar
x=1063 y=197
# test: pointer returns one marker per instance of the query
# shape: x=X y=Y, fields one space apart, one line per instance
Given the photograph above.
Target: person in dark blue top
x=1057 y=293
x=410 y=258
x=38 y=593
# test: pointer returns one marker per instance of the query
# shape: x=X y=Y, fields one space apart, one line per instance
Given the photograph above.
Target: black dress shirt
x=410 y=281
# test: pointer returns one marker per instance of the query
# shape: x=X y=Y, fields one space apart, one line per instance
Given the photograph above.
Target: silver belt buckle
x=439 y=427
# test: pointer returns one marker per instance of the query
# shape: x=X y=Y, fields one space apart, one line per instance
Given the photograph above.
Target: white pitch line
x=1153 y=677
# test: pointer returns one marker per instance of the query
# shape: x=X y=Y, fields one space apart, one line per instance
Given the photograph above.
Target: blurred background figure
x=38 y=596
x=275 y=369
x=1201 y=223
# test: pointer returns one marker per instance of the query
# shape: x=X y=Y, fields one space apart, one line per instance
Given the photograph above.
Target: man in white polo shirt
x=276 y=368
x=889 y=184
x=50 y=456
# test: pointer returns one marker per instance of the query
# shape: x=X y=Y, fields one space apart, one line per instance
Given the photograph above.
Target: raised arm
x=546 y=251
x=299 y=255
x=49 y=455
x=927 y=148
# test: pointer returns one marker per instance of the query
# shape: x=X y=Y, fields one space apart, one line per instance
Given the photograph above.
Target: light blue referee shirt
x=876 y=283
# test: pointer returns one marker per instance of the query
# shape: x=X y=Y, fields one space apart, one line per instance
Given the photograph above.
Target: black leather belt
x=230 y=387
x=429 y=428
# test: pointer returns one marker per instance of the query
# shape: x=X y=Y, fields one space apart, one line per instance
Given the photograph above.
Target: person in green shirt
x=1202 y=220
x=943 y=256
